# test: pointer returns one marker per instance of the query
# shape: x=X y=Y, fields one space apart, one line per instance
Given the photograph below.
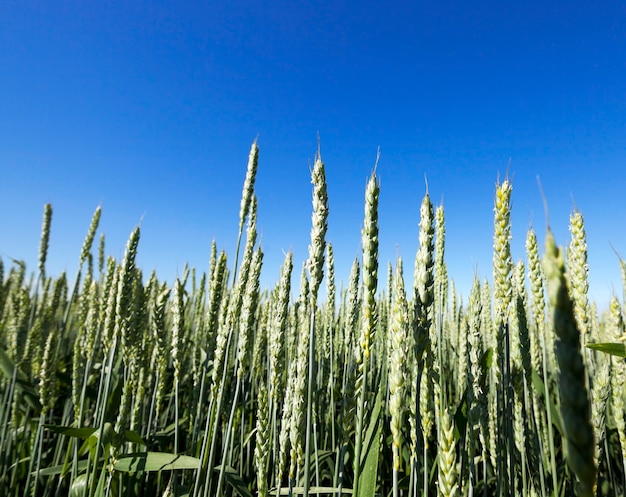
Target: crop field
x=119 y=384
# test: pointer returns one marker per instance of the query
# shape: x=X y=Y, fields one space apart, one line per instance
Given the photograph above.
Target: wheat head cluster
x=120 y=384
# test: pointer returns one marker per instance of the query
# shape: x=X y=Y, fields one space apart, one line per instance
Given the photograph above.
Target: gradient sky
x=149 y=109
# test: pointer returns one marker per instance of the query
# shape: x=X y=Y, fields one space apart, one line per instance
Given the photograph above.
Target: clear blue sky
x=149 y=109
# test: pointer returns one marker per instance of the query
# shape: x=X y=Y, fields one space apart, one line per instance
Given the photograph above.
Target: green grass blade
x=556 y=415
x=155 y=461
x=61 y=469
x=70 y=431
x=617 y=349
x=369 y=461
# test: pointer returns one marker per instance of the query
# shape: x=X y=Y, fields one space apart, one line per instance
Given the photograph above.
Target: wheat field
x=120 y=384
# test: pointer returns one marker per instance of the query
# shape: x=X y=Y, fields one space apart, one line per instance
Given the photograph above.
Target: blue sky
x=149 y=109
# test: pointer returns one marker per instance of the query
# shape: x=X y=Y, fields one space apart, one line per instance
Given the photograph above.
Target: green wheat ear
x=91 y=233
x=369 y=237
x=319 y=226
x=448 y=476
x=398 y=362
x=575 y=406
x=263 y=438
x=45 y=239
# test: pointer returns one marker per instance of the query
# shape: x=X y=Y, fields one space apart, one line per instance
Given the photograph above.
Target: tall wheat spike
x=316 y=271
x=398 y=355
x=575 y=407
x=502 y=288
x=368 y=317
